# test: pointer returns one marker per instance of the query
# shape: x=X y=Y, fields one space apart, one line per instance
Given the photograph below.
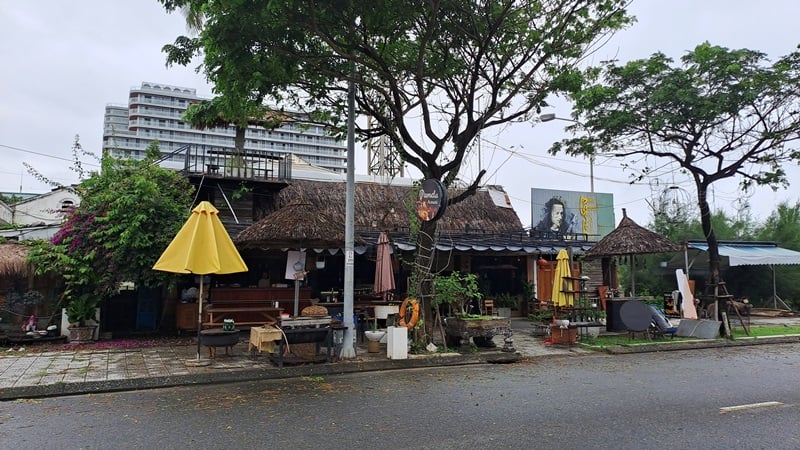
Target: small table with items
x=264 y=339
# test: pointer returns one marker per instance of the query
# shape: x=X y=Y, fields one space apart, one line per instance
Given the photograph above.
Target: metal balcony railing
x=222 y=162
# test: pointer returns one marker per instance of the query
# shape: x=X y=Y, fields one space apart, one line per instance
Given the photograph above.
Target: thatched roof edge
x=14 y=260
x=312 y=214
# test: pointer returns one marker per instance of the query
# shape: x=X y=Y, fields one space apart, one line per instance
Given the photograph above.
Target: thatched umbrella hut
x=630 y=239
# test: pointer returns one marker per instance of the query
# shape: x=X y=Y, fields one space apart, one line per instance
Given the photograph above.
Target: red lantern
x=542 y=263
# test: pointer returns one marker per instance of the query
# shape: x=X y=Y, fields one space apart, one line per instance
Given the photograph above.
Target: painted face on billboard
x=556 y=216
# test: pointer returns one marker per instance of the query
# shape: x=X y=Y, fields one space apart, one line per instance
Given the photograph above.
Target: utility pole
x=549 y=117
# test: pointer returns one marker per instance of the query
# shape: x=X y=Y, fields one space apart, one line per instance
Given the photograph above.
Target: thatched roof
x=311 y=214
x=13 y=260
x=631 y=239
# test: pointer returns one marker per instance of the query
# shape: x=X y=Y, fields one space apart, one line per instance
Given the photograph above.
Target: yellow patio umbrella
x=202 y=246
x=561 y=298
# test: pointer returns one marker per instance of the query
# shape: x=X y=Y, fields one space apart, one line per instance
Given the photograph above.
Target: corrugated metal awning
x=751 y=253
x=478 y=243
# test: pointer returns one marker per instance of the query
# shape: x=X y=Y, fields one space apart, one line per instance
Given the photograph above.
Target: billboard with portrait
x=571 y=212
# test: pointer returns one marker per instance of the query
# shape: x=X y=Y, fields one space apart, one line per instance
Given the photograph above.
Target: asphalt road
x=640 y=401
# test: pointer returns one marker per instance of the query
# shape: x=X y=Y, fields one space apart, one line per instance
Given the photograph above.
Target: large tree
x=431 y=73
x=719 y=114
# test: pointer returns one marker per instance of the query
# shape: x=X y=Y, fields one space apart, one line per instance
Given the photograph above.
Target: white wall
x=6 y=214
x=45 y=209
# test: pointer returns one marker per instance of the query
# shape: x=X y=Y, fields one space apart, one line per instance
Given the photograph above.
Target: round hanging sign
x=432 y=200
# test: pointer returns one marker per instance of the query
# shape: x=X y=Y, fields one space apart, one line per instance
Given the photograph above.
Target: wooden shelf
x=574 y=278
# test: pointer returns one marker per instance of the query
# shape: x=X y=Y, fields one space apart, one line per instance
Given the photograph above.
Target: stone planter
x=94 y=324
x=459 y=330
x=504 y=312
x=81 y=335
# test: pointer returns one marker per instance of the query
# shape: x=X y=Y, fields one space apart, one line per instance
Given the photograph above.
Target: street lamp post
x=549 y=117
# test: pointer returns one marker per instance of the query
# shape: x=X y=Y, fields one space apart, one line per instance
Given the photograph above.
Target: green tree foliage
x=431 y=73
x=720 y=114
x=129 y=213
x=653 y=278
x=754 y=282
x=10 y=199
x=783 y=228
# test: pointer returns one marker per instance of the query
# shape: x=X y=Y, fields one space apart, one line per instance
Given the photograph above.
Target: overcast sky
x=63 y=62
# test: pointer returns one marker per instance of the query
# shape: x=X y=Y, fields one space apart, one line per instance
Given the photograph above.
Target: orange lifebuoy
x=414 y=304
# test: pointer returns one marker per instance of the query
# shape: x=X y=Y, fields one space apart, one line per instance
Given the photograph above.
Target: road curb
x=701 y=344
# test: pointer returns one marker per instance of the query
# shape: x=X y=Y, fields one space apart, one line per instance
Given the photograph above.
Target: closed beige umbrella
x=384 y=275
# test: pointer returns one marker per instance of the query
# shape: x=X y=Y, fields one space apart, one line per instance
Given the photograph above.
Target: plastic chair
x=660 y=325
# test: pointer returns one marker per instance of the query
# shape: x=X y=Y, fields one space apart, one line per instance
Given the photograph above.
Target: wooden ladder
x=722 y=298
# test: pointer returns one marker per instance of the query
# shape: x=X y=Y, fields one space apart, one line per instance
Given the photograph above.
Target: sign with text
x=431 y=200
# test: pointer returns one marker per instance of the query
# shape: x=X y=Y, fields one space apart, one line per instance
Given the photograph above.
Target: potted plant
x=80 y=310
x=459 y=291
x=600 y=316
x=462 y=292
x=505 y=303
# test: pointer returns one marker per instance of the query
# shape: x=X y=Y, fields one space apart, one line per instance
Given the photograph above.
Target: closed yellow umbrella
x=202 y=246
x=559 y=297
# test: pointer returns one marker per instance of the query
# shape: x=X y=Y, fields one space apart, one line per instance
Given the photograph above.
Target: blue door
x=148 y=308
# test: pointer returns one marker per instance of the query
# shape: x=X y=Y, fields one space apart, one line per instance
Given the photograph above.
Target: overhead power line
x=60 y=158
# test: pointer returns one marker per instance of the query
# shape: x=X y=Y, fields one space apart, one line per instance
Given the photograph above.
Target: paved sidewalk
x=59 y=370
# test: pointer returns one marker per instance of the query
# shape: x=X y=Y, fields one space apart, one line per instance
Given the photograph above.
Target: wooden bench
x=251 y=306
x=247 y=315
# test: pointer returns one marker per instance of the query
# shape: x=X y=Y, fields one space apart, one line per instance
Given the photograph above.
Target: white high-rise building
x=154 y=112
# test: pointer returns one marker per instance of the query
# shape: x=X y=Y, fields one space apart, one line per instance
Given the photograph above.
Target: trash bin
x=613 y=319
x=397 y=343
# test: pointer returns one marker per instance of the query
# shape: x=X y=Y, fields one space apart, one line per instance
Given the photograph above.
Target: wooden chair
x=488 y=308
